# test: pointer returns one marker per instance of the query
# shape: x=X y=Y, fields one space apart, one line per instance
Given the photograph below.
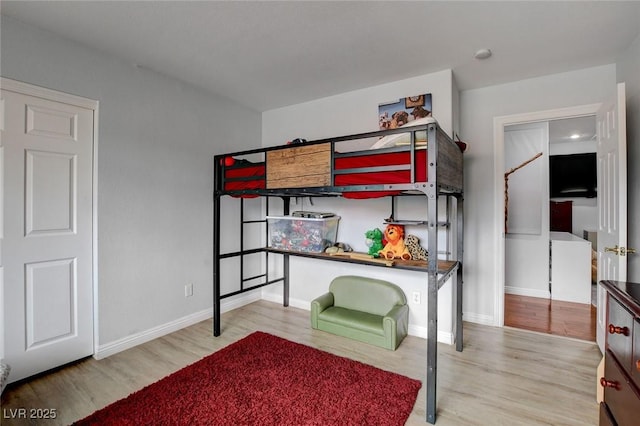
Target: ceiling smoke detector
x=483 y=54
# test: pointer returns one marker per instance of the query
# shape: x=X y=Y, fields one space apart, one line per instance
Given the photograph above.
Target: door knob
x=621 y=251
x=615 y=249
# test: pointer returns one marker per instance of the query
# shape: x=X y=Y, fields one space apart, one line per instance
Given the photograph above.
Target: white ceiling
x=583 y=129
x=268 y=54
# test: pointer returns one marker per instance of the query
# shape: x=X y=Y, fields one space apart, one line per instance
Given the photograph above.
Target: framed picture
x=401 y=111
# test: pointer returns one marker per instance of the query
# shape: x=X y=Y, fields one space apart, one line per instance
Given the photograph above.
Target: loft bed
x=408 y=161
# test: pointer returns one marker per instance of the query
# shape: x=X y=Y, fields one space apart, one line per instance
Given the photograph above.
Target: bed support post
x=216 y=264
x=432 y=311
x=285 y=266
x=460 y=252
x=432 y=273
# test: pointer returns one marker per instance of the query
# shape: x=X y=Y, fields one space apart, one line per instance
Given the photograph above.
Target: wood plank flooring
x=503 y=377
x=550 y=316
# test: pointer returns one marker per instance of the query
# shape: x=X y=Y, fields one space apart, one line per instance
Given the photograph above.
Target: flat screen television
x=573 y=176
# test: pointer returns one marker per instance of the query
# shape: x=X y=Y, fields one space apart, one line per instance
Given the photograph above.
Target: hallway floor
x=567 y=319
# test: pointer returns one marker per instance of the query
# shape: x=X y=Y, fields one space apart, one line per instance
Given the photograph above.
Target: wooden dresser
x=621 y=380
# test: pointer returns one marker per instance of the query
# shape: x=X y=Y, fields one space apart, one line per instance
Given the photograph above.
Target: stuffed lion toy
x=395 y=248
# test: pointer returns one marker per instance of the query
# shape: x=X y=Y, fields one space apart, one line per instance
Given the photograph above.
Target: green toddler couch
x=365 y=309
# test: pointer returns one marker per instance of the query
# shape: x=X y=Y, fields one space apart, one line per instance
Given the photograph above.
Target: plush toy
x=413 y=245
x=395 y=247
x=338 y=248
x=374 y=241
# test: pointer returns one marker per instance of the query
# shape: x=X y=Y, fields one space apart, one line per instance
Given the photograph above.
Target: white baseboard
x=445 y=337
x=530 y=292
x=129 y=342
x=479 y=319
x=295 y=303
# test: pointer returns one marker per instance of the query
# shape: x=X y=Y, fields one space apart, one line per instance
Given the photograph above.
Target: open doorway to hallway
x=550 y=218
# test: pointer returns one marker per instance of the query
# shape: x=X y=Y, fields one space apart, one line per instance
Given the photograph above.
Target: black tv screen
x=573 y=175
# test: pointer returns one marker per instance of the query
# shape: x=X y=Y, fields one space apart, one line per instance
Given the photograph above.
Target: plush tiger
x=413 y=245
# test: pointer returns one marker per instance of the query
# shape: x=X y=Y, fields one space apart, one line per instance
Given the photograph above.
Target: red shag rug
x=266 y=380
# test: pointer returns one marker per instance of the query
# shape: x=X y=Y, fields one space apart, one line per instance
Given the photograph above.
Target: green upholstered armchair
x=365 y=309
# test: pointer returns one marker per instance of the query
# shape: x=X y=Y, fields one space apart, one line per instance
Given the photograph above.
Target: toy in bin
x=310 y=235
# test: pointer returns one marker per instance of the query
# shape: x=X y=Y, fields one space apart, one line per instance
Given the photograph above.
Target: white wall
x=477 y=110
x=628 y=71
x=157 y=138
x=355 y=112
x=344 y=114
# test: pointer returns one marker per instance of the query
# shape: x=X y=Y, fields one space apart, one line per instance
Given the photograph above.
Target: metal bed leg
x=432 y=346
x=432 y=281
x=216 y=265
x=460 y=252
x=285 y=266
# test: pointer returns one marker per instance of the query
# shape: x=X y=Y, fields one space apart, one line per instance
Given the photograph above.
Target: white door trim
x=54 y=95
x=499 y=123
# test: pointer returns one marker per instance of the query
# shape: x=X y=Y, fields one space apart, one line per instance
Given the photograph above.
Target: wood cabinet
x=621 y=380
x=561 y=216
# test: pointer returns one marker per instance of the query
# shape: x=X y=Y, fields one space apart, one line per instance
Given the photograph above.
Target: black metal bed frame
x=438 y=272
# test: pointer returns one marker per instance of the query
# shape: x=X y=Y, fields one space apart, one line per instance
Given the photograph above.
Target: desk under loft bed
x=420 y=160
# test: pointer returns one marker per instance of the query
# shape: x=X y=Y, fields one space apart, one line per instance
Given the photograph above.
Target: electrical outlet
x=188 y=290
x=416 y=297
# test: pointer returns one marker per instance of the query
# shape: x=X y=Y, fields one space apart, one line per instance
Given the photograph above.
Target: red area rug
x=266 y=380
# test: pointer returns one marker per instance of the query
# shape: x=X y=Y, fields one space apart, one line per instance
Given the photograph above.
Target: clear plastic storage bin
x=305 y=234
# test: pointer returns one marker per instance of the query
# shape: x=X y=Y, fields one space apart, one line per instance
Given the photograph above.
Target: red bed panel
x=257 y=171
x=343 y=163
x=377 y=178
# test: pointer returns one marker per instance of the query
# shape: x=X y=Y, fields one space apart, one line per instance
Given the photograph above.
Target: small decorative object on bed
x=297 y=141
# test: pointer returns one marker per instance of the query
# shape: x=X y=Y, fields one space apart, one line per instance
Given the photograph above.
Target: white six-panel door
x=612 y=199
x=47 y=245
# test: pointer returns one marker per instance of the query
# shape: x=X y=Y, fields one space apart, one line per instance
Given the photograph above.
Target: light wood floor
x=503 y=377
x=567 y=319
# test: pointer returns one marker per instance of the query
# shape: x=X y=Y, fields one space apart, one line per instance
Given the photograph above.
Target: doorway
x=531 y=306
